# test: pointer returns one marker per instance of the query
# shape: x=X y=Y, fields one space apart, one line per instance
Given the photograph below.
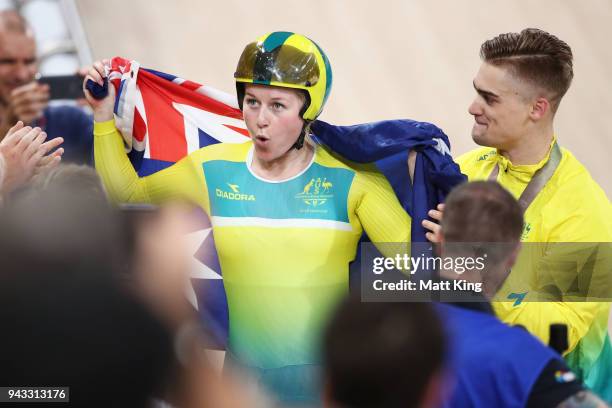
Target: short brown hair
x=534 y=56
x=79 y=179
x=481 y=211
x=382 y=354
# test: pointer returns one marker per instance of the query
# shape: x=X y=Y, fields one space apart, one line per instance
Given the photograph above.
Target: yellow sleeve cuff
x=104 y=128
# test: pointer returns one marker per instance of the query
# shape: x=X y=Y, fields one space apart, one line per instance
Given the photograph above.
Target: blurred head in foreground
x=482 y=219
x=66 y=319
x=383 y=354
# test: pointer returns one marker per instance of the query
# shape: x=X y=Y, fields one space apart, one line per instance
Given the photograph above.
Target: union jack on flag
x=162 y=119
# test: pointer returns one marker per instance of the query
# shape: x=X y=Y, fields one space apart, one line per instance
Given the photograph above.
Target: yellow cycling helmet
x=288 y=60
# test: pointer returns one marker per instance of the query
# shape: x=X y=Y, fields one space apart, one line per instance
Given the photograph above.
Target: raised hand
x=24 y=152
x=434 y=227
x=102 y=108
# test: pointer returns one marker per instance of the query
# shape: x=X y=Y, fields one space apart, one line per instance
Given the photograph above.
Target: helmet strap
x=240 y=91
x=299 y=143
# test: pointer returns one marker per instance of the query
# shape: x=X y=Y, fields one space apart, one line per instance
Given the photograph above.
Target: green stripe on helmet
x=275 y=40
x=328 y=73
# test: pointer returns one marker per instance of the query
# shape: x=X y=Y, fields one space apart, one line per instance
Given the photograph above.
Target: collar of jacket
x=522 y=171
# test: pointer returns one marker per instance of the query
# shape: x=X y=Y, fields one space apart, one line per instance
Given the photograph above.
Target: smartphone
x=64 y=86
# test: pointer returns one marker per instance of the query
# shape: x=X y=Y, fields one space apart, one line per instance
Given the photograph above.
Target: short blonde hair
x=535 y=56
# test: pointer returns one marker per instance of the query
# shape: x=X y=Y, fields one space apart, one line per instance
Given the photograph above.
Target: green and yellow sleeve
x=382 y=216
x=179 y=181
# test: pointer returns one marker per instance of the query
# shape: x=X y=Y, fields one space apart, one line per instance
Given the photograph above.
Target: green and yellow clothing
x=284 y=246
x=571 y=207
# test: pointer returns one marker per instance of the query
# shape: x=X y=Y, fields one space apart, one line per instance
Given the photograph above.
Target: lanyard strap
x=539 y=179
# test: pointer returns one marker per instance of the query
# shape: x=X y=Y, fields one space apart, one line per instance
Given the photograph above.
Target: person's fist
x=102 y=108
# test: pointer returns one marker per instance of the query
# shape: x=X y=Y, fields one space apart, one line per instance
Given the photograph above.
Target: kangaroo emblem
x=308 y=186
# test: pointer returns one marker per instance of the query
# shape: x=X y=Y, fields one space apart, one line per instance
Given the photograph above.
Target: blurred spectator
x=496 y=365
x=66 y=320
x=70 y=318
x=72 y=178
x=384 y=355
x=159 y=263
x=22 y=98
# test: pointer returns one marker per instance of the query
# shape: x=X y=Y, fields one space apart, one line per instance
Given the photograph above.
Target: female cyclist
x=286 y=213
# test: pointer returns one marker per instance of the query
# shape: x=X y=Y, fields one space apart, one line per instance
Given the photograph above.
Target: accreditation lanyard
x=539 y=179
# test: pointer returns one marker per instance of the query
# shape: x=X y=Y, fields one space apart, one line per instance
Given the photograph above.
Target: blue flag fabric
x=387 y=143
